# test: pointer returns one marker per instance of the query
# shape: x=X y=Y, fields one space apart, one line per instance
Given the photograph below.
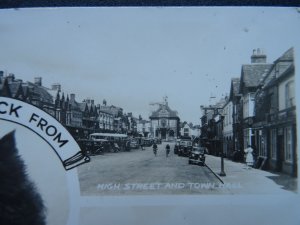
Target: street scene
x=140 y=172
x=151 y=115
x=254 y=125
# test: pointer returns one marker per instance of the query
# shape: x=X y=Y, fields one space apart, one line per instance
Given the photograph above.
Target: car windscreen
x=200 y=150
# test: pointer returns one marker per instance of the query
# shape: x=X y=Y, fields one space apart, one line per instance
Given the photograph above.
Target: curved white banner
x=47 y=127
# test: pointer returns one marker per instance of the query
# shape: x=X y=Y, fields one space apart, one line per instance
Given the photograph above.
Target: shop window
x=273 y=144
x=262 y=146
x=288 y=144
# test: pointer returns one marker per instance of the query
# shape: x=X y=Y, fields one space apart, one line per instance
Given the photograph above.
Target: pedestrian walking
x=249 y=157
x=167 y=150
x=155 y=149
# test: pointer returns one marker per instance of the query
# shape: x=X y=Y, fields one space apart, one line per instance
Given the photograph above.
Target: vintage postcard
x=149 y=115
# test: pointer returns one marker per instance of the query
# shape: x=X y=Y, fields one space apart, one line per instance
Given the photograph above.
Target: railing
x=283 y=115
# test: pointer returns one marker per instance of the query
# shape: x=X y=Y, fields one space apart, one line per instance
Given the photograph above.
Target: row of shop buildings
x=85 y=117
x=80 y=118
x=260 y=111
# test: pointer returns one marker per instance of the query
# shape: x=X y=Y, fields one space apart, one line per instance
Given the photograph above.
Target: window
x=288 y=144
x=262 y=146
x=273 y=143
x=251 y=105
x=246 y=107
x=289 y=94
x=246 y=138
x=185 y=132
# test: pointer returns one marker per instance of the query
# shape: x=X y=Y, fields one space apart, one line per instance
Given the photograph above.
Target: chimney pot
x=72 y=96
x=38 y=81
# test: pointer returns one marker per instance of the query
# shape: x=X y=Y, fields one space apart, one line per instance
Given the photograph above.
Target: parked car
x=197 y=156
x=184 y=148
x=91 y=147
x=134 y=143
x=147 y=142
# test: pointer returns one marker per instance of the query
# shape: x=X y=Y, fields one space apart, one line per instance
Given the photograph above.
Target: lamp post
x=222 y=173
x=215 y=109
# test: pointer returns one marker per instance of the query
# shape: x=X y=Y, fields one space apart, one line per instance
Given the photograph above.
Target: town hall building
x=164 y=122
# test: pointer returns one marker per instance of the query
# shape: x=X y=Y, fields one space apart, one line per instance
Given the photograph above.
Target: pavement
x=251 y=180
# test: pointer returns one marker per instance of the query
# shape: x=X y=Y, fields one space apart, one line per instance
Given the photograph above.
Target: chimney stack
x=72 y=96
x=11 y=78
x=38 y=81
x=258 y=56
x=56 y=87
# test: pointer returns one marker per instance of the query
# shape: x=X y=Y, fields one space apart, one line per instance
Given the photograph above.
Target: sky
x=135 y=56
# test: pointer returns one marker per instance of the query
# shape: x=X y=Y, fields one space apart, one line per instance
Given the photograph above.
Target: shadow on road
x=287 y=182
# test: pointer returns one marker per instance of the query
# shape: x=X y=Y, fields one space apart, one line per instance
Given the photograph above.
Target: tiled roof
x=172 y=113
x=105 y=111
x=14 y=87
x=285 y=64
x=41 y=92
x=4 y=89
x=273 y=79
x=287 y=56
x=252 y=73
x=74 y=105
x=82 y=106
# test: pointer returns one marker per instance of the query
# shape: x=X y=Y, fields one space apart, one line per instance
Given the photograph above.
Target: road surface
x=140 y=172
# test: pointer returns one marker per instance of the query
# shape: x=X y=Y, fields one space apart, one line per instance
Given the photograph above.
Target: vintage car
x=91 y=147
x=147 y=142
x=134 y=143
x=197 y=156
x=184 y=148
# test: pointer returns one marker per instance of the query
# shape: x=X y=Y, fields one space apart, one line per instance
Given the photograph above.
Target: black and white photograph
x=174 y=110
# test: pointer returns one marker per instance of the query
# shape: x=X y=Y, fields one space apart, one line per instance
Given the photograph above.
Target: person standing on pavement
x=249 y=157
x=167 y=150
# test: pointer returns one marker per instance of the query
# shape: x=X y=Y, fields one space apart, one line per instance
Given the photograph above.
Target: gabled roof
x=41 y=91
x=16 y=89
x=171 y=113
x=83 y=106
x=287 y=56
x=74 y=105
x=234 y=87
x=252 y=73
x=4 y=89
x=286 y=65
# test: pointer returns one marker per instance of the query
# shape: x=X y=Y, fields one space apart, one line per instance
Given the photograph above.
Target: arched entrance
x=163 y=133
